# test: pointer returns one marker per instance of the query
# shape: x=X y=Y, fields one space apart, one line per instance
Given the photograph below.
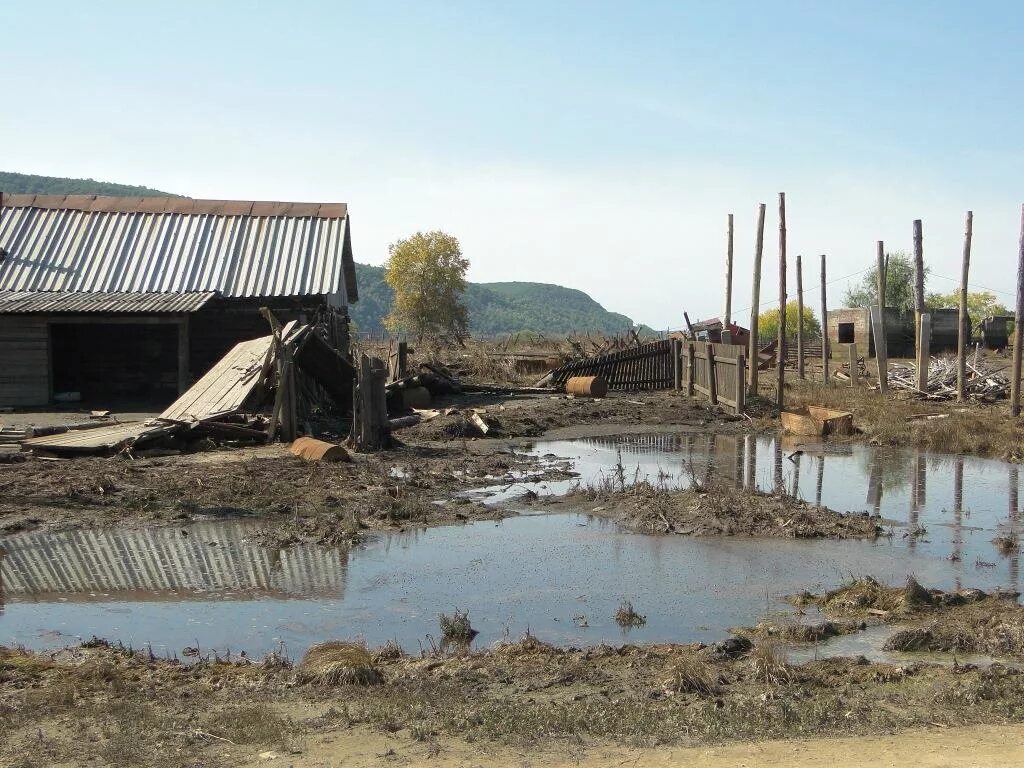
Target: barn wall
x=222 y=323
x=24 y=361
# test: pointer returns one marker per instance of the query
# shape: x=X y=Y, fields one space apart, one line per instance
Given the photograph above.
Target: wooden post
x=676 y=373
x=918 y=275
x=183 y=356
x=402 y=364
x=755 y=300
x=824 y=326
x=1018 y=328
x=728 y=277
x=881 y=357
x=370 y=425
x=961 y=337
x=780 y=364
x=691 y=376
x=924 y=333
x=712 y=375
x=799 y=318
x=881 y=274
x=851 y=350
x=741 y=400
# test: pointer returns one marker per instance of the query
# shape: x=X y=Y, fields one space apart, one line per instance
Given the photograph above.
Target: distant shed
x=852 y=325
x=129 y=299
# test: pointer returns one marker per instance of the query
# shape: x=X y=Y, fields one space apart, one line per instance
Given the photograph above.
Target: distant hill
x=28 y=184
x=494 y=308
x=498 y=308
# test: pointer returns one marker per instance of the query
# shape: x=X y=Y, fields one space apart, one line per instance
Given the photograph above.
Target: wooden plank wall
x=24 y=361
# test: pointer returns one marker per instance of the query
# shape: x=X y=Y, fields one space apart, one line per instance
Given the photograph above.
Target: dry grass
x=692 y=673
x=252 y=724
x=861 y=595
x=984 y=430
x=338 y=663
x=456 y=628
x=769 y=663
x=626 y=616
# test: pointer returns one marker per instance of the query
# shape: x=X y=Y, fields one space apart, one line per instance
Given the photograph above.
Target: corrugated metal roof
x=96 y=244
x=25 y=302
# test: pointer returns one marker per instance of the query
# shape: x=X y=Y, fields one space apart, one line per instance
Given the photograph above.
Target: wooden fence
x=668 y=364
x=647 y=366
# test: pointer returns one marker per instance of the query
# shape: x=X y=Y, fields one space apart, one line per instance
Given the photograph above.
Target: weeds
x=692 y=673
x=456 y=628
x=626 y=616
x=769 y=663
x=252 y=724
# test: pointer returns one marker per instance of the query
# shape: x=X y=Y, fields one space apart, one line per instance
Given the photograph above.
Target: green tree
x=427 y=273
x=899 y=284
x=768 y=323
x=980 y=304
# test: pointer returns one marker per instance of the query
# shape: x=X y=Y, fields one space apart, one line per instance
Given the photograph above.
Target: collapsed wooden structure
x=262 y=388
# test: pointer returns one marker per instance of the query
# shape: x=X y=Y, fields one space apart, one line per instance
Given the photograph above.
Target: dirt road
x=980 y=747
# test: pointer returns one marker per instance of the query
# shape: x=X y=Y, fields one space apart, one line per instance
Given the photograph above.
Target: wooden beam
x=961 y=336
x=756 y=300
x=824 y=326
x=184 y=373
x=780 y=363
x=918 y=274
x=727 y=320
x=923 y=358
x=881 y=273
x=800 y=318
x=881 y=356
x=1018 y=327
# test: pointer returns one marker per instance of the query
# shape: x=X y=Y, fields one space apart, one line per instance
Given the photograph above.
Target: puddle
x=560 y=575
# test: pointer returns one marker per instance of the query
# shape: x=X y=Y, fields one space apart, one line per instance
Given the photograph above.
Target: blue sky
x=597 y=145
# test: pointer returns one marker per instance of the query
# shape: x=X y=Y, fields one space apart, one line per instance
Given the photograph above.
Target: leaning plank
x=225 y=387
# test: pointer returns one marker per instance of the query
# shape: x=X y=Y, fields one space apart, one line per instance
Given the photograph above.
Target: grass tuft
x=626 y=616
x=338 y=663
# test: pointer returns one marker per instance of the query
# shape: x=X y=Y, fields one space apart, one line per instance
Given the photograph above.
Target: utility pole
x=824 y=326
x=727 y=320
x=1018 y=328
x=799 y=318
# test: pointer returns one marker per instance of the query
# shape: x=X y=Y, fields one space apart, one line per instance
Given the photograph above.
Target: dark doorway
x=846 y=333
x=116 y=363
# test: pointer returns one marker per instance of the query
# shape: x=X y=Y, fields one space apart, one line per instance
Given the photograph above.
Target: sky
x=598 y=145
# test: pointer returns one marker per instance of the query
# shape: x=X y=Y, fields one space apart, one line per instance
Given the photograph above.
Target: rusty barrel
x=311 y=449
x=586 y=386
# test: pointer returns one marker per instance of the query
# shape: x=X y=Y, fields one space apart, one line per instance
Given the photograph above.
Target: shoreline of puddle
x=537 y=573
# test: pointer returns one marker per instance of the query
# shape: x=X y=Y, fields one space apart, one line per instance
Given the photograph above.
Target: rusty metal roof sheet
x=27 y=302
x=94 y=244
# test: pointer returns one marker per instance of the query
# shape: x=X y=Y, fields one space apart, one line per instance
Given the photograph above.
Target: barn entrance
x=112 y=364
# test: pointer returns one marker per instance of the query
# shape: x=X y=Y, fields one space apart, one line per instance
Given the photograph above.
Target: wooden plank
x=225 y=387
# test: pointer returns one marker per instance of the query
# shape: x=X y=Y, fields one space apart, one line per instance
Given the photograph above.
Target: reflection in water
x=200 y=561
x=537 y=571
x=955 y=519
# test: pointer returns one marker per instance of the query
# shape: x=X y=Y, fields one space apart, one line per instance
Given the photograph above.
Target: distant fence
x=647 y=366
x=717 y=371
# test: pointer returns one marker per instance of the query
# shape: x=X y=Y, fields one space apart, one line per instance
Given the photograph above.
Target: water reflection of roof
x=162 y=564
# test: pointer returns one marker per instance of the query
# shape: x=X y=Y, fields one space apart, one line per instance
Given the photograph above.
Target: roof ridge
x=182 y=205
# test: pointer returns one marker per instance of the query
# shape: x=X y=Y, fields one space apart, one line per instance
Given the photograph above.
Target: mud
x=717 y=509
x=965 y=621
x=325 y=503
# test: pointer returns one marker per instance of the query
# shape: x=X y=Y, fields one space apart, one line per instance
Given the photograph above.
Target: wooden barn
x=128 y=300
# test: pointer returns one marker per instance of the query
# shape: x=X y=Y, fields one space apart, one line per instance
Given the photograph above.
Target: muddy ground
x=331 y=503
x=105 y=705
x=714 y=508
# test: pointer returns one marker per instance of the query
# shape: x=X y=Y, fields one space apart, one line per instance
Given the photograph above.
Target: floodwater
x=559 y=575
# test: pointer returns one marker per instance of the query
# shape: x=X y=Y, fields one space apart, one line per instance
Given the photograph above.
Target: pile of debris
x=260 y=389
x=984 y=383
